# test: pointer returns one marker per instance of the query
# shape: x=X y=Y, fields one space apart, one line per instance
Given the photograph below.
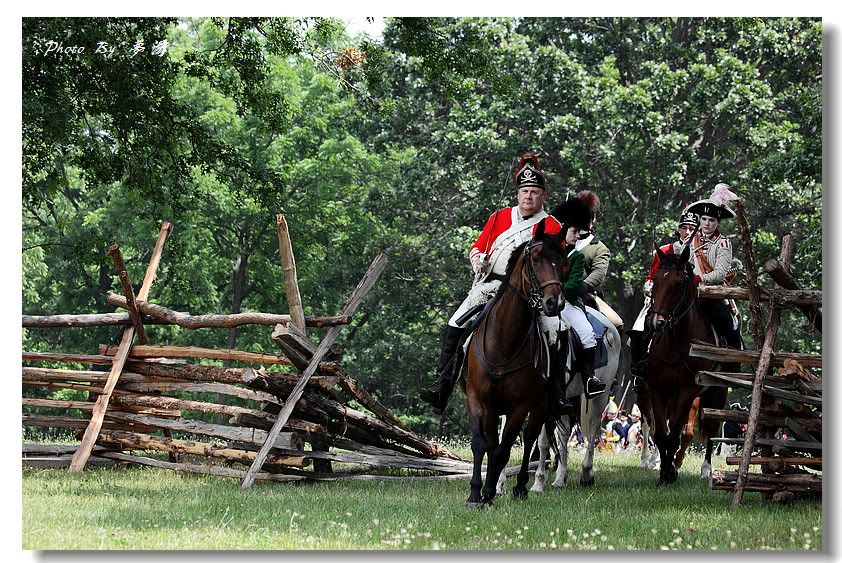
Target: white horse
x=590 y=415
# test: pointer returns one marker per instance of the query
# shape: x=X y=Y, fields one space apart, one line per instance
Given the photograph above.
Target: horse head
x=541 y=267
x=674 y=289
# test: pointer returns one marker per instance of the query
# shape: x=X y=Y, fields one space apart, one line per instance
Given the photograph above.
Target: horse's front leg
x=563 y=430
x=499 y=456
x=533 y=429
x=479 y=447
x=687 y=433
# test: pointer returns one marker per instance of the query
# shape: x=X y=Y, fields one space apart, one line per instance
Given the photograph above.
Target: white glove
x=478 y=262
x=647 y=288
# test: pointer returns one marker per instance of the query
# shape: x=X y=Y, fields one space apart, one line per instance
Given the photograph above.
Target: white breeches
x=480 y=293
x=576 y=318
x=551 y=326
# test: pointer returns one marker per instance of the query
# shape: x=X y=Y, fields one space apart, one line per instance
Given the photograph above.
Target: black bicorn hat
x=573 y=213
x=688 y=218
x=716 y=205
x=529 y=173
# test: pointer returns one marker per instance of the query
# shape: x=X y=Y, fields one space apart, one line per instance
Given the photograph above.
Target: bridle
x=681 y=309
x=530 y=279
x=672 y=318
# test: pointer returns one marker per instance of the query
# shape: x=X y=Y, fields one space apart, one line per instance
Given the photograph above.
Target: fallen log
x=63 y=462
x=729 y=355
x=760 y=460
x=790 y=297
x=285 y=440
x=133 y=440
x=766 y=418
x=790 y=445
x=200 y=469
x=186 y=320
x=767 y=481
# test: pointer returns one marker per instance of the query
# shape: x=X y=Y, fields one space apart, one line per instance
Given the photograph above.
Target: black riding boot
x=439 y=391
x=638 y=344
x=559 y=404
x=593 y=386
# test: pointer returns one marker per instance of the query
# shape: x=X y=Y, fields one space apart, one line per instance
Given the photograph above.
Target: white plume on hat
x=722 y=194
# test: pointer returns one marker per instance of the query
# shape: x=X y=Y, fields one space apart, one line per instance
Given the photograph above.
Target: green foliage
x=406 y=152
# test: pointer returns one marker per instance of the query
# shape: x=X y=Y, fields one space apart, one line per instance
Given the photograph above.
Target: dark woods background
x=401 y=144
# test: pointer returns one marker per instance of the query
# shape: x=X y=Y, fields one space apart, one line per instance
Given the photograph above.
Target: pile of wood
x=784 y=424
x=296 y=415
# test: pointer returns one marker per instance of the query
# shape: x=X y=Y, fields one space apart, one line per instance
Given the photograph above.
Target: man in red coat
x=505 y=230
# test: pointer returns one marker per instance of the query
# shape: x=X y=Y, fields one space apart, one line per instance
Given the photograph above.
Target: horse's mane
x=554 y=245
x=672 y=261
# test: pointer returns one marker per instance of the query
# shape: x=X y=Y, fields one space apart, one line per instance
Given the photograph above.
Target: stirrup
x=593 y=387
x=639 y=384
x=561 y=407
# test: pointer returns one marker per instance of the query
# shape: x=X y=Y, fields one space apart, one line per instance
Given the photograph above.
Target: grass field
x=155 y=509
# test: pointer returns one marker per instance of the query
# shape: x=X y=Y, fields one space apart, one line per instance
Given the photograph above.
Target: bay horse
x=671 y=383
x=505 y=360
x=711 y=397
x=589 y=415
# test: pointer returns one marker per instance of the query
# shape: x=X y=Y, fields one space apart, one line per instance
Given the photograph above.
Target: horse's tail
x=550 y=425
x=584 y=419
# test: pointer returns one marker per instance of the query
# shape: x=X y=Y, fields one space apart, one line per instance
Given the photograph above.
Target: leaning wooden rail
x=793 y=297
x=698 y=350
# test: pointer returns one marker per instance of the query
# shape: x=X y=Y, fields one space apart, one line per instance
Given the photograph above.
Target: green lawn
x=154 y=509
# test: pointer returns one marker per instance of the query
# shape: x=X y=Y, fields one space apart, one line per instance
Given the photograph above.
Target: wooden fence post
x=296 y=309
x=360 y=292
x=80 y=458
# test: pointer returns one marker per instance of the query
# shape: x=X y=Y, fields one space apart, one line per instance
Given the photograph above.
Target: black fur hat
x=573 y=213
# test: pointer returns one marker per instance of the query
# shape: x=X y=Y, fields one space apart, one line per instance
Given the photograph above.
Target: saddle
x=599 y=329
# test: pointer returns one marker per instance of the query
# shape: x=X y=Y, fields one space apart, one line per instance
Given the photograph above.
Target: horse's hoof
x=536 y=489
x=475 y=505
x=519 y=493
x=587 y=482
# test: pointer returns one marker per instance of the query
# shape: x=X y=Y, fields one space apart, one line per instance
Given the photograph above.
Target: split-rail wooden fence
x=783 y=435
x=308 y=419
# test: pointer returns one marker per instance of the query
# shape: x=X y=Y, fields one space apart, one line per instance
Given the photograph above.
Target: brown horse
x=505 y=361
x=671 y=371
